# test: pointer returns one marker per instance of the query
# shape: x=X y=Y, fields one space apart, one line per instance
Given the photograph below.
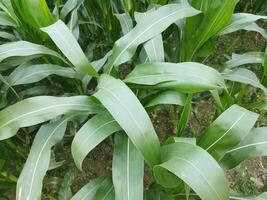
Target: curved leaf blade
x=127 y=169
x=244 y=76
x=36 y=110
x=7 y=36
x=66 y=42
x=246 y=58
x=29 y=184
x=227 y=131
x=26 y=74
x=93 y=132
x=6 y=20
x=89 y=191
x=216 y=15
x=195 y=167
x=23 y=48
x=161 y=19
x=168 y=97
x=241 y=21
x=185 y=116
x=125 y=22
x=256 y=28
x=186 y=77
x=34 y=12
x=253 y=145
x=154 y=47
x=126 y=109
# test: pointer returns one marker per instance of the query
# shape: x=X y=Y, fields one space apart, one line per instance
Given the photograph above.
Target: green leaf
x=36 y=110
x=127 y=169
x=263 y=196
x=227 y=131
x=26 y=74
x=105 y=191
x=2 y=163
x=33 y=12
x=23 y=48
x=184 y=116
x=126 y=109
x=12 y=62
x=29 y=185
x=257 y=105
x=69 y=6
x=195 y=167
x=168 y=97
x=7 y=36
x=252 y=145
x=125 y=22
x=6 y=20
x=241 y=21
x=6 y=6
x=8 y=85
x=189 y=140
x=93 y=132
x=216 y=15
x=151 y=25
x=264 y=63
x=186 y=77
x=154 y=47
x=66 y=42
x=88 y=192
x=156 y=193
x=244 y=76
x=64 y=192
x=246 y=58
x=255 y=27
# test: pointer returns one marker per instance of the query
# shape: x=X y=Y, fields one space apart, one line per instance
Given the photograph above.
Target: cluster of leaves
x=52 y=53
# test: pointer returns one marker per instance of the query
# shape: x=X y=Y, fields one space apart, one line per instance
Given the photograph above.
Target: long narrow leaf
x=34 y=73
x=255 y=27
x=199 y=29
x=227 y=131
x=127 y=169
x=195 y=167
x=246 y=58
x=6 y=20
x=33 y=12
x=151 y=25
x=29 y=185
x=93 y=132
x=186 y=77
x=244 y=76
x=125 y=22
x=154 y=47
x=185 y=115
x=23 y=48
x=36 y=110
x=66 y=42
x=168 y=97
x=88 y=192
x=253 y=145
x=126 y=109
x=240 y=21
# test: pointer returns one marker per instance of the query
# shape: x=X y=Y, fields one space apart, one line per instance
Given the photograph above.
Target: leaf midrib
x=128 y=111
x=39 y=110
x=201 y=174
x=233 y=125
x=138 y=36
x=40 y=153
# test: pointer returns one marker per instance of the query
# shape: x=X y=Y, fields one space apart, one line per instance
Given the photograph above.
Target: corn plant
x=41 y=47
